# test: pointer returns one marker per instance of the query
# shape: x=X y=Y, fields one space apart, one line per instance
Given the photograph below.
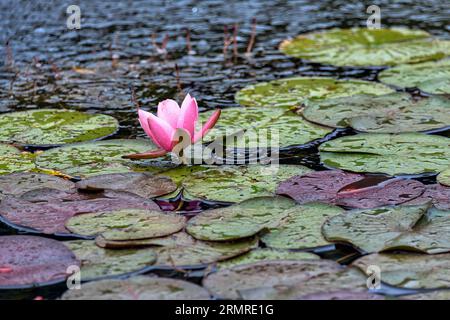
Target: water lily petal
x=143 y=120
x=188 y=115
x=208 y=125
x=169 y=110
x=162 y=131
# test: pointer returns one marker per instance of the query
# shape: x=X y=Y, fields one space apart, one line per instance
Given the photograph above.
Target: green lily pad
x=302 y=227
x=366 y=47
x=265 y=254
x=241 y=220
x=49 y=127
x=431 y=77
x=391 y=113
x=235 y=183
x=406 y=153
x=94 y=158
x=292 y=92
x=254 y=127
x=414 y=271
x=12 y=160
x=180 y=250
x=374 y=230
x=97 y=262
x=126 y=224
x=138 y=288
x=430 y=235
x=259 y=280
x=17 y=184
x=145 y=185
x=444 y=177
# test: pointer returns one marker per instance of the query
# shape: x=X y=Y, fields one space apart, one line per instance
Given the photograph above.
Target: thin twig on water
x=251 y=43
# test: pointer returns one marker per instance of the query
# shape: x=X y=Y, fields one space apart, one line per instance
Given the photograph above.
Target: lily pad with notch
x=292 y=92
x=301 y=228
x=391 y=113
x=138 y=288
x=412 y=271
x=241 y=220
x=436 y=194
x=393 y=154
x=126 y=224
x=366 y=47
x=27 y=261
x=52 y=127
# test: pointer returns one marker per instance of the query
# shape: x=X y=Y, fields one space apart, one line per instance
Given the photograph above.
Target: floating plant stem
x=251 y=43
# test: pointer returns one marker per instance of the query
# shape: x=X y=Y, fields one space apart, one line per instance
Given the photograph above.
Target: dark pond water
x=117 y=42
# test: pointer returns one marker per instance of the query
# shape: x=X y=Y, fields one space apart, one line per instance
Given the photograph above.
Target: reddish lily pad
x=16 y=184
x=50 y=215
x=138 y=288
x=350 y=189
x=31 y=261
x=126 y=224
x=145 y=185
x=263 y=278
x=436 y=194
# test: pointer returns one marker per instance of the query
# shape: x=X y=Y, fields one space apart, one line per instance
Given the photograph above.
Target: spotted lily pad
x=234 y=183
x=97 y=262
x=414 y=271
x=94 y=158
x=387 y=228
x=241 y=220
x=391 y=113
x=49 y=127
x=126 y=224
x=444 y=177
x=31 y=261
x=431 y=77
x=266 y=254
x=143 y=184
x=291 y=92
x=304 y=276
x=263 y=127
x=48 y=213
x=12 y=160
x=138 y=288
x=407 y=153
x=301 y=228
x=366 y=47
x=16 y=184
x=180 y=250
x=350 y=189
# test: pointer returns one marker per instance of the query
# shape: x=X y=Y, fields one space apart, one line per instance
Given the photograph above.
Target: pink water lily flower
x=170 y=118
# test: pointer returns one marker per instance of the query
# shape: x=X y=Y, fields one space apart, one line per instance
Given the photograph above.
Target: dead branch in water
x=235 y=48
x=133 y=98
x=188 y=41
x=9 y=61
x=251 y=43
x=226 y=40
x=177 y=74
x=160 y=49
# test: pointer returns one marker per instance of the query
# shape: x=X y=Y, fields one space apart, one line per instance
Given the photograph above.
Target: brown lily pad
x=16 y=184
x=350 y=189
x=145 y=185
x=138 y=288
x=44 y=214
x=126 y=224
x=30 y=260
